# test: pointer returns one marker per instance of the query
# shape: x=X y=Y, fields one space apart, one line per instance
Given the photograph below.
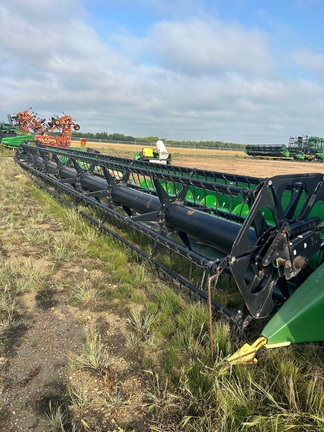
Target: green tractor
x=160 y=156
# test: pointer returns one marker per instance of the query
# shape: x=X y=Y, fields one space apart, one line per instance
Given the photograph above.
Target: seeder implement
x=189 y=225
x=27 y=127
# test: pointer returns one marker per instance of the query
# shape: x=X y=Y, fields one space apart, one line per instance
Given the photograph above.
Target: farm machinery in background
x=307 y=148
x=265 y=151
x=301 y=148
x=160 y=155
x=62 y=124
x=7 y=130
x=28 y=122
x=27 y=126
x=252 y=248
x=20 y=127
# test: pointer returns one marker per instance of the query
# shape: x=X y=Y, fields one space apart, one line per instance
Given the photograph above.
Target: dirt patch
x=37 y=365
x=252 y=167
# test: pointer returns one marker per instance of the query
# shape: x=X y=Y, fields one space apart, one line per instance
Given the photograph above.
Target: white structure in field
x=163 y=152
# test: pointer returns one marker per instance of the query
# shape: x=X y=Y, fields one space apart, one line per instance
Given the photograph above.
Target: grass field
x=91 y=341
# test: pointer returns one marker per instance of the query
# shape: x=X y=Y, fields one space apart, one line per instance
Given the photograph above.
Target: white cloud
x=310 y=61
x=197 y=47
x=187 y=79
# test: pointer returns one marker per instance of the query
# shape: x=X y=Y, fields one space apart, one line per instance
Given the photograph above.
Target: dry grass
x=134 y=148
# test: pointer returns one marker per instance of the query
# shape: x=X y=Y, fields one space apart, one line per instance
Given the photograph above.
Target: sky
x=243 y=71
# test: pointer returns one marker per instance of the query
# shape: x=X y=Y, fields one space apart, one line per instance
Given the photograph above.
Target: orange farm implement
x=26 y=126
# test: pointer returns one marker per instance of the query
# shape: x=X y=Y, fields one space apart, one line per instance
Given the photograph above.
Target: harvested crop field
x=229 y=161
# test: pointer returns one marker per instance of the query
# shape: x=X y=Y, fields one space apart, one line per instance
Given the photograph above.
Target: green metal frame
x=301 y=318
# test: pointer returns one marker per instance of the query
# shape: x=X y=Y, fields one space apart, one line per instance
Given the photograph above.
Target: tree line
x=105 y=136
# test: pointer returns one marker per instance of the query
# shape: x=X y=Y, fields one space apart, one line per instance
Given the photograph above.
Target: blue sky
x=245 y=71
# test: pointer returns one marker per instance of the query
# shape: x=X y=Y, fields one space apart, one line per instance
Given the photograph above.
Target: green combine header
x=301 y=148
x=198 y=229
x=263 y=151
x=10 y=136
